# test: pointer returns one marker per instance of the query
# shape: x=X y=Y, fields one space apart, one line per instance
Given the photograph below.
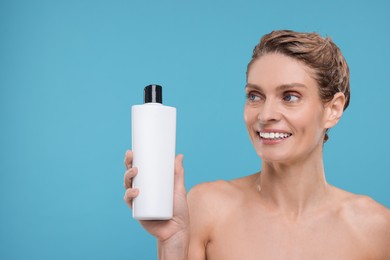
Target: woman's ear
x=334 y=110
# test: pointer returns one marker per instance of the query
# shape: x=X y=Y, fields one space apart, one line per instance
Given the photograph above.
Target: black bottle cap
x=153 y=94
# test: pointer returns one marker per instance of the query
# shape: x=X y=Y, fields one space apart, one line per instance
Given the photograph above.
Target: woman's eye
x=290 y=97
x=253 y=97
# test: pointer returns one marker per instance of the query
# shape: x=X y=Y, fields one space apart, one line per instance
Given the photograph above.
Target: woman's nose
x=269 y=112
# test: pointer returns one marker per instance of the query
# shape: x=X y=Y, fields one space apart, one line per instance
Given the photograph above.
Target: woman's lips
x=273 y=136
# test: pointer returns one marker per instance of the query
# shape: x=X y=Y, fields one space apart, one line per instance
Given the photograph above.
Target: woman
x=297 y=88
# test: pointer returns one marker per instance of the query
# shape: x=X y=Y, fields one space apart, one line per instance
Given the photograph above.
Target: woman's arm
x=202 y=207
x=174 y=248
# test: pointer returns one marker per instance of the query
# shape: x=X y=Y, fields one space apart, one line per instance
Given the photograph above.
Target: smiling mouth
x=273 y=135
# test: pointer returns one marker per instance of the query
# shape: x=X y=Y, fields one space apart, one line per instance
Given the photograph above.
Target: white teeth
x=274 y=135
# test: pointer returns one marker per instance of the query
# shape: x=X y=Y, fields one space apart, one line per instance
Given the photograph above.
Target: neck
x=294 y=189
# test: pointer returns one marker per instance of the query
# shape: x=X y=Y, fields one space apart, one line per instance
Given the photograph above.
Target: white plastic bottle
x=153 y=145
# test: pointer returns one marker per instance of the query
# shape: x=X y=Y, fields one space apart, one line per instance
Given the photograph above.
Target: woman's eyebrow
x=278 y=88
x=249 y=85
x=289 y=86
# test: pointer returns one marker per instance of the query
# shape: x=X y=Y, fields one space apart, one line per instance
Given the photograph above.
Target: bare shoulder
x=364 y=209
x=208 y=192
x=369 y=219
x=221 y=189
x=213 y=193
x=208 y=203
x=215 y=198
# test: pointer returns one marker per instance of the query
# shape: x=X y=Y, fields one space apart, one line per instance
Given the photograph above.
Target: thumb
x=179 y=174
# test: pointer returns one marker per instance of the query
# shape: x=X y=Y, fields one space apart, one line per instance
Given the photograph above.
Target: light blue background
x=70 y=70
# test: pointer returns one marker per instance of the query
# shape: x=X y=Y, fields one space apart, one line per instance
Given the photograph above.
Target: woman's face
x=284 y=114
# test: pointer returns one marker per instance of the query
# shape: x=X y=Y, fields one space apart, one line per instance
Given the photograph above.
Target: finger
x=128 y=177
x=179 y=174
x=128 y=159
x=130 y=194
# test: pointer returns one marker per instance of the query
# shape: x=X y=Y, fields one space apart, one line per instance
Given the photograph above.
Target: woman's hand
x=173 y=232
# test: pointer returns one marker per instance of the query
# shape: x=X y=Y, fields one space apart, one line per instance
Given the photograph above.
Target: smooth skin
x=288 y=211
